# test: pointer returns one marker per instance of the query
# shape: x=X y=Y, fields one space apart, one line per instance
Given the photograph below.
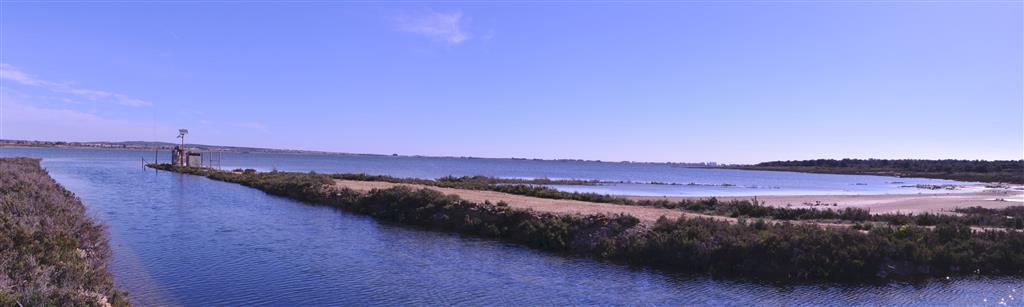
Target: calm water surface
x=186 y=240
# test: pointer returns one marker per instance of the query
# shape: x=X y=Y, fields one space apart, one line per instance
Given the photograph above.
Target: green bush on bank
x=51 y=253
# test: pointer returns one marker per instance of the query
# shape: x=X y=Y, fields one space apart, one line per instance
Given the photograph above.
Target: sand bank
x=886 y=203
x=557 y=206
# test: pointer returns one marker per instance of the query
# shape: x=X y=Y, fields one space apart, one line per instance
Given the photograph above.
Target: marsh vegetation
x=51 y=252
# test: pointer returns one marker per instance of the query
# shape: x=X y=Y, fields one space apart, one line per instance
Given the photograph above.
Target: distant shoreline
x=1011 y=177
x=139 y=145
x=157 y=146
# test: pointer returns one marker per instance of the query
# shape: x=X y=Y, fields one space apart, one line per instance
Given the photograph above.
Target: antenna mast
x=181 y=135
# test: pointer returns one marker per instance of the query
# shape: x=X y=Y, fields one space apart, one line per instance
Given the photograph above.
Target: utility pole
x=181 y=135
x=182 y=155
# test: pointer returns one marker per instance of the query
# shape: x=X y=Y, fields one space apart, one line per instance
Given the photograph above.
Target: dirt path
x=557 y=206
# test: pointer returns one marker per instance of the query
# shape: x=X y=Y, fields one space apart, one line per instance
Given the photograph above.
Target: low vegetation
x=51 y=253
x=750 y=209
x=712 y=206
x=466 y=182
x=754 y=249
x=1009 y=217
x=525 y=187
x=1009 y=171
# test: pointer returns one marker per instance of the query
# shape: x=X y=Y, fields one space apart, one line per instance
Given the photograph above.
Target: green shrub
x=51 y=252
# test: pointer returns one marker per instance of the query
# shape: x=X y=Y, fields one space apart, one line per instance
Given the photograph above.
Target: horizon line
x=3 y=142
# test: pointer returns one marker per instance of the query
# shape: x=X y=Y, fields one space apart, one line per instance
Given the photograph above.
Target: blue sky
x=683 y=81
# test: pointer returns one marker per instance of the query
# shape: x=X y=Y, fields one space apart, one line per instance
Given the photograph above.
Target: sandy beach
x=557 y=206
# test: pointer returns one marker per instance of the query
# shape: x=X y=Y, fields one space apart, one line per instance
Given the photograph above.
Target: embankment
x=779 y=251
x=51 y=252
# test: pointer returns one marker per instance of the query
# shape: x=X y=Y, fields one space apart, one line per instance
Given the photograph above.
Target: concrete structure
x=181 y=156
x=194 y=159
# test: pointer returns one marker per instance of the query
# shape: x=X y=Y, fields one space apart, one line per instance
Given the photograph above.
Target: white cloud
x=108 y=96
x=10 y=73
x=21 y=121
x=251 y=126
x=444 y=27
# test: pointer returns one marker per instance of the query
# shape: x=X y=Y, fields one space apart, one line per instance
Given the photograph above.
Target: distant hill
x=155 y=146
x=147 y=145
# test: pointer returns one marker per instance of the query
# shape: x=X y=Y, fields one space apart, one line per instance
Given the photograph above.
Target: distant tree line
x=757 y=249
x=467 y=182
x=1008 y=171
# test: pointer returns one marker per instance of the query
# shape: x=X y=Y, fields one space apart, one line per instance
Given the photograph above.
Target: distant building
x=178 y=156
x=181 y=156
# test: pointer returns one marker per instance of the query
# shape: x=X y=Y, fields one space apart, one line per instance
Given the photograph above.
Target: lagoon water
x=187 y=240
x=676 y=180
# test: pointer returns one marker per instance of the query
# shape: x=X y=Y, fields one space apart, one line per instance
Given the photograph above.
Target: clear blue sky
x=685 y=81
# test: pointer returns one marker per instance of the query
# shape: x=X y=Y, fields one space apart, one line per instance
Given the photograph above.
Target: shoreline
x=877 y=203
x=1004 y=177
x=260 y=150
